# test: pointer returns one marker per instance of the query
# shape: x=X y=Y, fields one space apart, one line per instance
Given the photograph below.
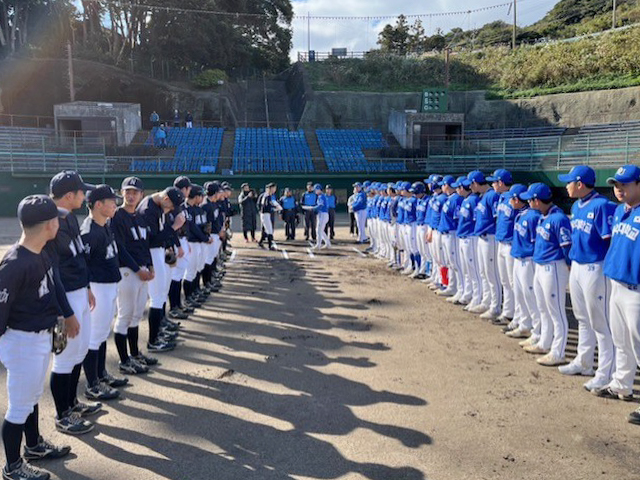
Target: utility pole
x=513 y=40
x=308 y=36
x=614 y=14
x=72 y=90
x=447 y=52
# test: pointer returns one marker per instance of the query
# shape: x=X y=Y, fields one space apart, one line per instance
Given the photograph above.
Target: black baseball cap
x=36 y=209
x=132 y=183
x=244 y=185
x=68 y=181
x=196 y=190
x=309 y=184
x=175 y=195
x=182 y=182
x=212 y=188
x=328 y=186
x=102 y=192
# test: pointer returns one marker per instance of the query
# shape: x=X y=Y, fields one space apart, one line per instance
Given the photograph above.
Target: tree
x=395 y=39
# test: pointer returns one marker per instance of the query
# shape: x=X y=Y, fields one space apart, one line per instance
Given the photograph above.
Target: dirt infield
x=332 y=367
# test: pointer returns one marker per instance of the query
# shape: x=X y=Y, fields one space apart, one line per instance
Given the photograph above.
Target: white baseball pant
x=624 y=312
x=391 y=229
x=194 y=262
x=505 y=272
x=488 y=268
x=26 y=356
x=466 y=247
x=423 y=248
x=177 y=272
x=213 y=249
x=321 y=236
x=103 y=314
x=550 y=289
x=361 y=220
x=131 y=301
x=590 y=291
x=159 y=286
x=524 y=293
x=77 y=347
x=452 y=261
x=265 y=220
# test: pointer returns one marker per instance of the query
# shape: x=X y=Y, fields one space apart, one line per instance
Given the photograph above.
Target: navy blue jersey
x=66 y=251
x=622 y=262
x=467 y=220
x=591 y=227
x=28 y=296
x=197 y=221
x=450 y=214
x=486 y=211
x=505 y=220
x=393 y=209
x=132 y=238
x=524 y=233
x=161 y=233
x=102 y=252
x=553 y=237
x=214 y=216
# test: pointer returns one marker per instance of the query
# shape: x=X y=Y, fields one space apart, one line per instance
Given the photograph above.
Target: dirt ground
x=332 y=367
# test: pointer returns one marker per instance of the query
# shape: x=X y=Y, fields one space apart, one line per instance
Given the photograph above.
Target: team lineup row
x=65 y=283
x=506 y=252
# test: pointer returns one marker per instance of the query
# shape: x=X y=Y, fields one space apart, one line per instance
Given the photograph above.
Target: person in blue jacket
x=331 y=205
x=551 y=258
x=289 y=213
x=322 y=215
x=359 y=207
x=309 y=199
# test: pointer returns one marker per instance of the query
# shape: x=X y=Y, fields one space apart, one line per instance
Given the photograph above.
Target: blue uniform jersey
x=467 y=220
x=331 y=201
x=360 y=202
x=622 y=262
x=436 y=210
x=524 y=232
x=505 y=220
x=421 y=210
x=384 y=209
x=591 y=225
x=309 y=199
x=288 y=203
x=321 y=203
x=486 y=211
x=553 y=237
x=369 y=206
x=450 y=214
x=410 y=206
x=400 y=212
x=376 y=205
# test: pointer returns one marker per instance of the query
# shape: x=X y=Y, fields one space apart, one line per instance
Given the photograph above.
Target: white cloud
x=361 y=35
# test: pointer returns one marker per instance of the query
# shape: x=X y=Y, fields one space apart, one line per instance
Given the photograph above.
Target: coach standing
x=359 y=207
x=309 y=199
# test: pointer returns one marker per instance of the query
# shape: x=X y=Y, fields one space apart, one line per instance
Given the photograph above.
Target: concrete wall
x=356 y=109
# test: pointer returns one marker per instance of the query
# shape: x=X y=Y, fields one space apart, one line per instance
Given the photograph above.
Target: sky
x=361 y=35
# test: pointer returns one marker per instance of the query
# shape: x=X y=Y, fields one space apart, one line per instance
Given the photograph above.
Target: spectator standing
x=155 y=119
x=188 y=119
x=176 y=118
x=247 y=201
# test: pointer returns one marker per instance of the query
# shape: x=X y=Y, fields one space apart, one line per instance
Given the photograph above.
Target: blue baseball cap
x=476 y=176
x=538 y=191
x=625 y=174
x=406 y=186
x=516 y=190
x=417 y=187
x=580 y=173
x=317 y=186
x=435 y=180
x=366 y=184
x=501 y=175
x=461 y=181
x=448 y=180
x=357 y=184
x=36 y=209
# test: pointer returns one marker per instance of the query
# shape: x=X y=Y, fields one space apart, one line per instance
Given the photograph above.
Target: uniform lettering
x=627 y=230
x=582 y=225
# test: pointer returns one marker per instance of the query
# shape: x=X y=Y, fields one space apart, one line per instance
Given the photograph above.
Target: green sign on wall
x=435 y=100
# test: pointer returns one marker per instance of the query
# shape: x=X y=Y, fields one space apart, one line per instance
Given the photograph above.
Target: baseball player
x=178 y=271
x=464 y=291
x=197 y=239
x=501 y=182
x=309 y=199
x=432 y=218
x=154 y=211
x=136 y=270
x=435 y=237
x=410 y=229
x=401 y=262
x=359 y=207
x=394 y=199
x=104 y=275
x=522 y=247
x=322 y=217
x=332 y=201
x=66 y=252
x=485 y=231
x=215 y=218
x=591 y=225
x=290 y=213
x=383 y=215
x=472 y=296
x=31 y=298
x=551 y=258
x=447 y=227
x=370 y=225
x=621 y=265
x=421 y=231
x=266 y=205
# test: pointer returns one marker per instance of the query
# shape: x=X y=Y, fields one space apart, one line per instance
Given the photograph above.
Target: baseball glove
x=170 y=257
x=59 y=341
x=207 y=228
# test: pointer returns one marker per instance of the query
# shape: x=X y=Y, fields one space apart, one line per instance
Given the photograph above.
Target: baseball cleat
x=131 y=367
x=72 y=424
x=489 y=315
x=550 y=360
x=594 y=384
x=101 y=391
x=45 y=449
x=529 y=341
x=608 y=392
x=478 y=309
x=145 y=360
x=445 y=293
x=518 y=333
x=576 y=369
x=453 y=300
x=536 y=350
x=21 y=470
x=160 y=346
x=177 y=314
x=634 y=417
x=499 y=322
x=113 y=382
x=169 y=327
x=87 y=409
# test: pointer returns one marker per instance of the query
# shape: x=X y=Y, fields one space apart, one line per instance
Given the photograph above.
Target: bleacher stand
x=271 y=150
x=344 y=151
x=197 y=150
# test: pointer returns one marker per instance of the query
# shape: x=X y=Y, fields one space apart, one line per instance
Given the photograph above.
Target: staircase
x=226 y=150
x=319 y=164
